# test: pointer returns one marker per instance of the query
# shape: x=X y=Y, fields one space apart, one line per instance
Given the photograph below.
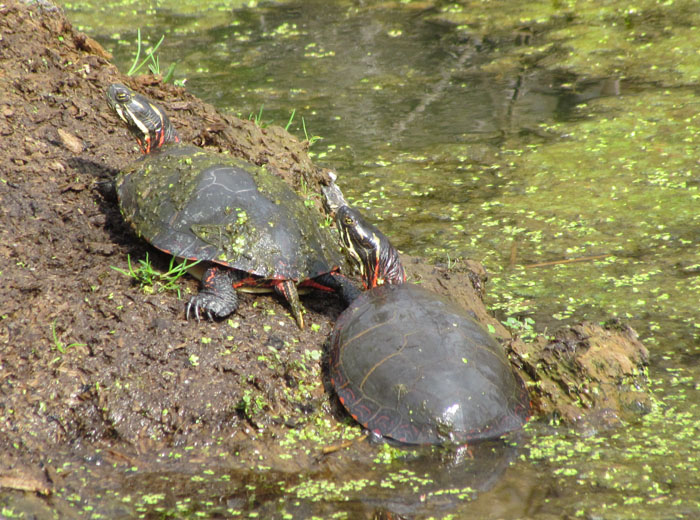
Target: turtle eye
x=121 y=96
x=349 y=221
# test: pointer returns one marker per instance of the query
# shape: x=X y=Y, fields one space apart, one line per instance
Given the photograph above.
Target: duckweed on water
x=662 y=457
x=125 y=15
x=317 y=490
x=633 y=225
x=387 y=454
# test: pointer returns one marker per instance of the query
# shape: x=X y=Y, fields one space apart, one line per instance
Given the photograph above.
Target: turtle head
x=145 y=120
x=378 y=260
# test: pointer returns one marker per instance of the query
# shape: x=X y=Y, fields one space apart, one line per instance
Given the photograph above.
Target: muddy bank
x=128 y=356
x=90 y=360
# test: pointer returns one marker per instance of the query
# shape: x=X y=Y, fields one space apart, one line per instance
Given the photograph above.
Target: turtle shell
x=410 y=365
x=200 y=205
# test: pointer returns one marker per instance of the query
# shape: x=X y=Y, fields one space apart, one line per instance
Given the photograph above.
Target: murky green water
x=556 y=141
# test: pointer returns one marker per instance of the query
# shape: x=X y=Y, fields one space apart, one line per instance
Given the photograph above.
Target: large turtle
x=409 y=364
x=246 y=226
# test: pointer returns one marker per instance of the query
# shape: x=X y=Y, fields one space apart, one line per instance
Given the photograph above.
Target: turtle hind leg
x=288 y=289
x=216 y=297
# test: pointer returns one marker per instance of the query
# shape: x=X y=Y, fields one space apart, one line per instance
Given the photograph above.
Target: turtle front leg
x=216 y=297
x=288 y=289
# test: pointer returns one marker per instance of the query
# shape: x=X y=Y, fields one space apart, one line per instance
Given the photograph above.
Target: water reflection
x=429 y=483
x=377 y=76
x=455 y=478
x=368 y=78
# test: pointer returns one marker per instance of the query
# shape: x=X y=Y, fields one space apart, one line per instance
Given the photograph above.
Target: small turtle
x=410 y=365
x=248 y=229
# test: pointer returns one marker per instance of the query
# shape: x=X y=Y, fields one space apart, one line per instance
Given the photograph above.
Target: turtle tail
x=288 y=289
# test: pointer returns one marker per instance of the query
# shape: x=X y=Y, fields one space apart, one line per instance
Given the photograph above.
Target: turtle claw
x=212 y=306
x=187 y=311
x=194 y=307
x=216 y=299
x=195 y=310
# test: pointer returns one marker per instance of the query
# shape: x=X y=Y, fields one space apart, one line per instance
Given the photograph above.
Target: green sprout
x=250 y=404
x=291 y=118
x=257 y=118
x=311 y=139
x=151 y=59
x=148 y=277
x=451 y=264
x=59 y=345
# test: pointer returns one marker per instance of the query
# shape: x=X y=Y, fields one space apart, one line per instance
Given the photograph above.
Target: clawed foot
x=216 y=299
x=209 y=305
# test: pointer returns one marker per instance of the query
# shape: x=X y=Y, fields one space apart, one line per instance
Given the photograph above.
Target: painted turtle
x=412 y=366
x=249 y=229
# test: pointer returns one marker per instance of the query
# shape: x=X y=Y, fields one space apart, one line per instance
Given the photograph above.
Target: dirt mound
x=86 y=354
